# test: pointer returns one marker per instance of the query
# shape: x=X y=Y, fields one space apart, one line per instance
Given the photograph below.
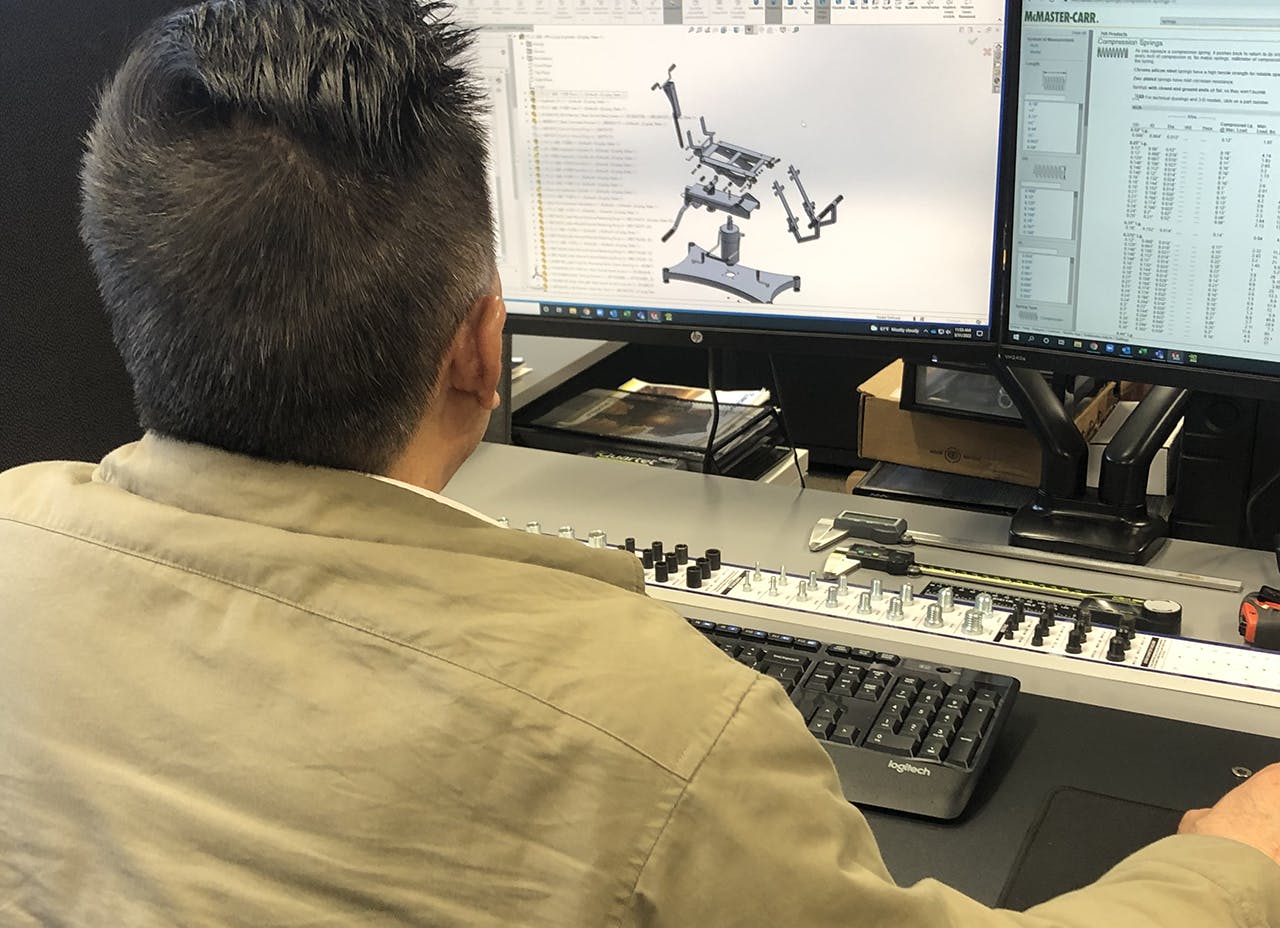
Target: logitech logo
x=903 y=767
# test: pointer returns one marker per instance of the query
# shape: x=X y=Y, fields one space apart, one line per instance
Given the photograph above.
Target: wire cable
x=709 y=465
x=1260 y=491
x=781 y=406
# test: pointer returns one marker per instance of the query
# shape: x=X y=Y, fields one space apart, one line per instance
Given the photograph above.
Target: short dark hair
x=286 y=204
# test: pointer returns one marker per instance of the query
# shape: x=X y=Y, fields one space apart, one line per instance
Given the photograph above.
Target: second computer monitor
x=1146 y=221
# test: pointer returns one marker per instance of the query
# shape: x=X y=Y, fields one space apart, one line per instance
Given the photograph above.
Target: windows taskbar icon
x=1116 y=349
x=608 y=313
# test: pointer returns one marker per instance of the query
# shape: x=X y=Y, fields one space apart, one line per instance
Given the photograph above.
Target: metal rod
x=1067 y=560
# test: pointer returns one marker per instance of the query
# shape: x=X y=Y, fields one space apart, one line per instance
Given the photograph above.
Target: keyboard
x=905 y=734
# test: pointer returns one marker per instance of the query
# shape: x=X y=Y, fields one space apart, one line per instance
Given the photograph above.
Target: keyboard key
x=933 y=749
x=730 y=650
x=780 y=659
x=899 y=706
x=907 y=693
x=913 y=727
x=851 y=675
x=868 y=691
x=839 y=650
x=882 y=677
x=822 y=728
x=782 y=641
x=945 y=732
x=732 y=631
x=978 y=718
x=808 y=644
x=929 y=698
x=891 y=659
x=862 y=654
x=901 y=745
x=962 y=750
x=820 y=680
x=845 y=733
x=923 y=713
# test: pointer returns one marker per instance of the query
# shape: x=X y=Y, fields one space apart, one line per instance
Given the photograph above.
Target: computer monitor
x=819 y=174
x=1145 y=237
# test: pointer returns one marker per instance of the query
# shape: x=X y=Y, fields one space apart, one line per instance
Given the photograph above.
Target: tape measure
x=1260 y=619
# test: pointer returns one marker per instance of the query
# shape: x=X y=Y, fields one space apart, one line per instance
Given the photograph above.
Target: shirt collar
x=422 y=491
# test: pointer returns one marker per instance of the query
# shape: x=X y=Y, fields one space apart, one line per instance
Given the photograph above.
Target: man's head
x=286 y=205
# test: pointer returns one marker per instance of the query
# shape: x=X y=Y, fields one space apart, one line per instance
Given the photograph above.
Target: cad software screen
x=1147 y=216
x=804 y=165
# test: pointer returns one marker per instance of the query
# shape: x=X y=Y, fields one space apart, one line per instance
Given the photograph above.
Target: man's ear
x=476 y=361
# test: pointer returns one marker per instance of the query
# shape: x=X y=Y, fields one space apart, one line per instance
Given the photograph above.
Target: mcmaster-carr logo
x=903 y=767
x=1080 y=17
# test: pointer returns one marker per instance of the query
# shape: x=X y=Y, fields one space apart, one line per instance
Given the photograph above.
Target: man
x=256 y=671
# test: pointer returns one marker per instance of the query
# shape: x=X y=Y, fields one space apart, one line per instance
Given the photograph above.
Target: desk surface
x=771 y=524
x=1155 y=760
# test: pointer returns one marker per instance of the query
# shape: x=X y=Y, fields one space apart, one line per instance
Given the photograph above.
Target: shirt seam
x=675 y=804
x=348 y=624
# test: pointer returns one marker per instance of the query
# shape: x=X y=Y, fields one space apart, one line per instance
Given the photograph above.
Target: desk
x=1164 y=762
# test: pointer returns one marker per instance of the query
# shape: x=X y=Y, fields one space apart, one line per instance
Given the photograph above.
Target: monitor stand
x=1115 y=524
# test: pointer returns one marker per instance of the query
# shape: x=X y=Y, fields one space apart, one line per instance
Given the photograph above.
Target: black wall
x=63 y=391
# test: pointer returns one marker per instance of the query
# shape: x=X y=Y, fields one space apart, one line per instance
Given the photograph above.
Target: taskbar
x=1126 y=351
x=683 y=318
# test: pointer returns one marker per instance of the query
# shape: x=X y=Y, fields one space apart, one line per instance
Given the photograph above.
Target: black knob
x=693 y=577
x=646 y=558
x=713 y=558
x=1017 y=616
x=1115 y=650
x=1075 y=641
x=1037 y=637
x=682 y=552
x=660 y=572
x=630 y=545
x=1162 y=616
x=704 y=567
x=673 y=563
x=657 y=549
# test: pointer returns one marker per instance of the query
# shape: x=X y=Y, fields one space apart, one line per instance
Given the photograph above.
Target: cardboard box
x=957 y=446
x=1160 y=480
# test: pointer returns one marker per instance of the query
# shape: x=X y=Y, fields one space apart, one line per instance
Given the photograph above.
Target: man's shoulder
x=28 y=491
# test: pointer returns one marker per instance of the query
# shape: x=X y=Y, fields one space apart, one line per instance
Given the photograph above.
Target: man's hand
x=1250 y=813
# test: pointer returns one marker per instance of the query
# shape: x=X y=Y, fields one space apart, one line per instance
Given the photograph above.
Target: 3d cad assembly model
x=725 y=173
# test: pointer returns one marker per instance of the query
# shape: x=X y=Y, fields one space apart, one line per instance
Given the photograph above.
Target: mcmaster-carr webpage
x=1147 y=218
x=824 y=165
